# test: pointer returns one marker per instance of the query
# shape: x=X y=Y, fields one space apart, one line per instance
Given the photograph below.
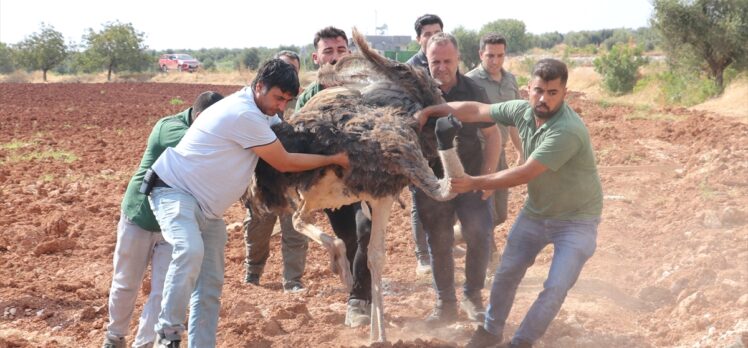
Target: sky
x=254 y=23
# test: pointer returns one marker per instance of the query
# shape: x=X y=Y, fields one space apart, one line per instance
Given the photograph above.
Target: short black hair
x=550 y=69
x=426 y=20
x=204 y=100
x=492 y=39
x=277 y=73
x=329 y=33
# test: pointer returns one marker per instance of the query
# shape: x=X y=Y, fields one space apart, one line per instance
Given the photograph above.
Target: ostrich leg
x=334 y=246
x=380 y=214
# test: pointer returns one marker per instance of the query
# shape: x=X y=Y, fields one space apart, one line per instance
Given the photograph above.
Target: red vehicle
x=178 y=61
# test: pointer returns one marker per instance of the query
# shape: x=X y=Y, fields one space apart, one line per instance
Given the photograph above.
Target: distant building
x=389 y=43
x=391 y=46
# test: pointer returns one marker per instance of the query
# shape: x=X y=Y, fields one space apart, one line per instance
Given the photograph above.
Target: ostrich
x=368 y=113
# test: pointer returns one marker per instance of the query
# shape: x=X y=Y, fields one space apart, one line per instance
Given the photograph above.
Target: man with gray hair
x=471 y=208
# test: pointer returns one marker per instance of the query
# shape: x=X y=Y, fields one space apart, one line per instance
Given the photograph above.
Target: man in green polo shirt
x=139 y=240
x=564 y=201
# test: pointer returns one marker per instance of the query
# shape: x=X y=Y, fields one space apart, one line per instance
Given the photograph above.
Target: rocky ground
x=671 y=267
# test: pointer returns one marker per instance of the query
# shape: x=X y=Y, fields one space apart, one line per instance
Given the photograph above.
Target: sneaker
x=444 y=313
x=293 y=287
x=423 y=267
x=252 y=278
x=114 y=342
x=483 y=339
x=473 y=307
x=163 y=342
x=358 y=313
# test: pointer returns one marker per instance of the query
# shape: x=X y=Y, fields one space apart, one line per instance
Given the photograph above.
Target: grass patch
x=47 y=177
x=176 y=101
x=15 y=145
x=64 y=156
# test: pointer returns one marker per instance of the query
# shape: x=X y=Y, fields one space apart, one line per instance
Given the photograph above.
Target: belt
x=160 y=183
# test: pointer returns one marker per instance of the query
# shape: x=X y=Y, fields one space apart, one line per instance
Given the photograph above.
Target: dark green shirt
x=308 y=93
x=167 y=132
x=570 y=189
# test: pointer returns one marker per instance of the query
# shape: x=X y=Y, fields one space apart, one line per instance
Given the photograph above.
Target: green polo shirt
x=308 y=93
x=497 y=91
x=167 y=132
x=570 y=189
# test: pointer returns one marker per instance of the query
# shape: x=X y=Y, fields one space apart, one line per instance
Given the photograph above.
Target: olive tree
x=517 y=40
x=716 y=31
x=42 y=50
x=117 y=47
x=469 y=44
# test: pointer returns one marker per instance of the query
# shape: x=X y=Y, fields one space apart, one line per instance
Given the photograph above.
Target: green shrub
x=686 y=88
x=619 y=68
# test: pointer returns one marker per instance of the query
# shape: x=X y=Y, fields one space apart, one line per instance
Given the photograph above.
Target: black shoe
x=293 y=287
x=516 y=343
x=473 y=307
x=252 y=278
x=483 y=339
x=444 y=313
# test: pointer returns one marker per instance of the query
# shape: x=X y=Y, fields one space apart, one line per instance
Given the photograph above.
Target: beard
x=542 y=111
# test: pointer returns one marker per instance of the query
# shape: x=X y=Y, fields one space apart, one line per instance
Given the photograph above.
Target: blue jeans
x=195 y=275
x=573 y=242
x=438 y=218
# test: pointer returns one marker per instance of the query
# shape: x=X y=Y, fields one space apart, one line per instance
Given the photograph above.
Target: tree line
x=706 y=34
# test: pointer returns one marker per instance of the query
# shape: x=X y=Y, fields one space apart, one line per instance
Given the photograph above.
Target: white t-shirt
x=215 y=161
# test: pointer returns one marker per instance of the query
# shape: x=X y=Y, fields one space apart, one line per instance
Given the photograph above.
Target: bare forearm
x=464 y=111
x=298 y=162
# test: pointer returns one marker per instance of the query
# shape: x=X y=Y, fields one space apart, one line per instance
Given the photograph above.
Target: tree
x=714 y=30
x=7 y=64
x=548 y=40
x=118 y=46
x=618 y=36
x=250 y=58
x=43 y=50
x=513 y=30
x=469 y=44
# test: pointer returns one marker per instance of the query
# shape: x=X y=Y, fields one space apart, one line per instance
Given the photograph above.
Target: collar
x=186 y=116
x=483 y=73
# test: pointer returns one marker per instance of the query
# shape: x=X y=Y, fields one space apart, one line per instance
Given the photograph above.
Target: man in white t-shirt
x=200 y=178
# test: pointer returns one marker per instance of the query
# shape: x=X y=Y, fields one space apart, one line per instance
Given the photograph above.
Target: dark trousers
x=437 y=218
x=351 y=225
